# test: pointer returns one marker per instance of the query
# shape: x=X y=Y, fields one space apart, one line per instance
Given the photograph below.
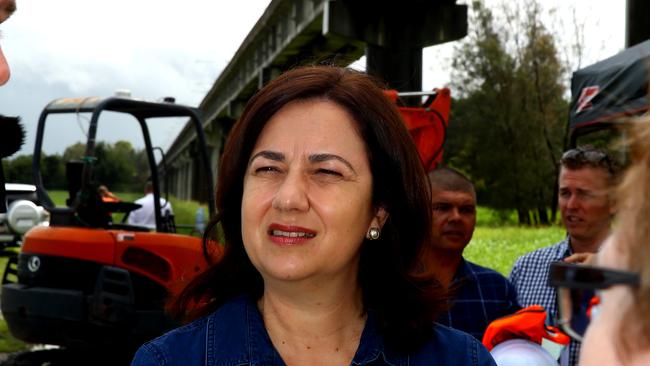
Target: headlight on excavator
x=23 y=215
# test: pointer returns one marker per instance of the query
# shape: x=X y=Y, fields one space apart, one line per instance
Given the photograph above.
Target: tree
x=75 y=151
x=118 y=166
x=509 y=121
x=114 y=165
x=53 y=171
x=18 y=169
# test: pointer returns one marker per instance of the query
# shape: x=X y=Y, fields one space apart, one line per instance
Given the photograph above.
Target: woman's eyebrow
x=319 y=158
x=271 y=155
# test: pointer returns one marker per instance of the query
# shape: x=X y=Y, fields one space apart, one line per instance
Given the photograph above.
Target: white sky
x=157 y=48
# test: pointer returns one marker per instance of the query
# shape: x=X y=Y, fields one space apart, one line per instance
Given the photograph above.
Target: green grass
x=7 y=342
x=499 y=247
x=184 y=211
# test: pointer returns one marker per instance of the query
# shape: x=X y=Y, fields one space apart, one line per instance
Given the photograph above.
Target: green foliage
x=487 y=217
x=118 y=166
x=18 y=169
x=53 y=171
x=115 y=166
x=509 y=120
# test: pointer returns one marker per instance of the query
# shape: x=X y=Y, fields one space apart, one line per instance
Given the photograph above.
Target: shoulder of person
x=452 y=347
x=223 y=326
x=174 y=346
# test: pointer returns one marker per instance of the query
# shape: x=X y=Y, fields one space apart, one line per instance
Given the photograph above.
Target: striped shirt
x=530 y=277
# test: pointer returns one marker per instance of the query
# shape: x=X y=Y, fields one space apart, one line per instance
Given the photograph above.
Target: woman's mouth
x=289 y=235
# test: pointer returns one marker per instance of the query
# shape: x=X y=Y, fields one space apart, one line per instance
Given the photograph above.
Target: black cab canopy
x=607 y=91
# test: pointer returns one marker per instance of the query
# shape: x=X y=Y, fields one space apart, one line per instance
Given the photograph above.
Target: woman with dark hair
x=325 y=216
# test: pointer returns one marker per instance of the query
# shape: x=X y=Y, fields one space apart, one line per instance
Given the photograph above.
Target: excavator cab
x=88 y=280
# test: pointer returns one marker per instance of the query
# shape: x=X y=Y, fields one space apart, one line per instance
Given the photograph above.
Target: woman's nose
x=292 y=193
x=4 y=68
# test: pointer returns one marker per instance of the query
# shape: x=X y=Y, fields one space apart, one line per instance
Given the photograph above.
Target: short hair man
x=480 y=295
x=586 y=176
x=145 y=215
x=7 y=7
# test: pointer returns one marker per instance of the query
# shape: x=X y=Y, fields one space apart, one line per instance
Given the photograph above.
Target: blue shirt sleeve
x=147 y=356
x=483 y=357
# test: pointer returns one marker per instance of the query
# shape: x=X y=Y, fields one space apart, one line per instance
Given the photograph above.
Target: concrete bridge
x=296 y=32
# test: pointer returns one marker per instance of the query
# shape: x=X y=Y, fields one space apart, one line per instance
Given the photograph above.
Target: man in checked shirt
x=586 y=176
x=479 y=295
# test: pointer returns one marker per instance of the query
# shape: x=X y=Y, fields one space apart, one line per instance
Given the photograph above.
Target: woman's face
x=601 y=345
x=306 y=205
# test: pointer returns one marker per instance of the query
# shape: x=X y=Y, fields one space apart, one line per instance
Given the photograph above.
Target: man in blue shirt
x=586 y=177
x=480 y=295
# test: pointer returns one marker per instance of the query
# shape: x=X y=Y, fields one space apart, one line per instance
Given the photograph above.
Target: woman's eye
x=266 y=170
x=329 y=172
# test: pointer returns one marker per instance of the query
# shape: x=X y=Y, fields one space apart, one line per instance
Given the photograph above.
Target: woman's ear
x=377 y=223
x=381 y=215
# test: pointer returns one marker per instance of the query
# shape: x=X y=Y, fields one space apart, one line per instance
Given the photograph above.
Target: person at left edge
x=479 y=295
x=326 y=218
x=7 y=8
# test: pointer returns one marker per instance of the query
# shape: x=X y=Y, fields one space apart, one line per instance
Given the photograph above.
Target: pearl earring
x=373 y=233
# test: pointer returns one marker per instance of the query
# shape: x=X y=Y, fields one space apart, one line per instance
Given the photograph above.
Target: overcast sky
x=157 y=48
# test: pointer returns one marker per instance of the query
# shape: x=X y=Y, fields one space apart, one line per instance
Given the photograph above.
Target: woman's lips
x=289 y=234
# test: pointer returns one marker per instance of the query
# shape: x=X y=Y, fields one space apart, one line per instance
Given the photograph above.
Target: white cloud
x=160 y=48
x=155 y=48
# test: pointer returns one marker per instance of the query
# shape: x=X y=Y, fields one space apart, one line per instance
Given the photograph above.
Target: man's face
x=584 y=203
x=454 y=218
x=7 y=7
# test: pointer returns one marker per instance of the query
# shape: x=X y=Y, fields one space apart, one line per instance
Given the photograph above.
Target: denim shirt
x=235 y=335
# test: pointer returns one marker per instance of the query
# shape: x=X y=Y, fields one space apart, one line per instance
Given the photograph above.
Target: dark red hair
x=392 y=273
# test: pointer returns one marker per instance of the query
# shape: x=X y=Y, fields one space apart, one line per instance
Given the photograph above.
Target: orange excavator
x=426 y=123
x=83 y=280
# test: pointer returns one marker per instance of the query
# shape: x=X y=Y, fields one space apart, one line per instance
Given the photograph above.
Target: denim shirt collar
x=249 y=344
x=372 y=347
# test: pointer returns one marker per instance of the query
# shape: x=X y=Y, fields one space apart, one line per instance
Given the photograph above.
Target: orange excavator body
x=427 y=124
